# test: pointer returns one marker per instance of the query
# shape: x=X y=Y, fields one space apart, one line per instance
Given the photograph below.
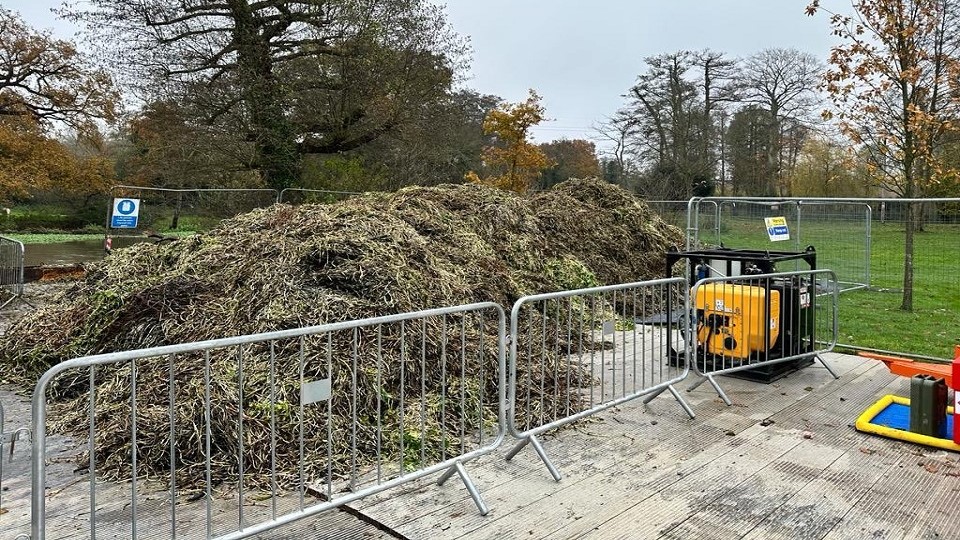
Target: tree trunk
x=278 y=157
x=907 y=304
x=175 y=222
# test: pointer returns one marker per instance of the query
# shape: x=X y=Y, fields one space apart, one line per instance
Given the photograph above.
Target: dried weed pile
x=288 y=267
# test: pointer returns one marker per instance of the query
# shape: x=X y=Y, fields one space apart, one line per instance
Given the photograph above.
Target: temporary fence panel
x=751 y=322
x=163 y=211
x=842 y=234
x=12 y=490
x=864 y=241
x=297 y=421
x=297 y=196
x=675 y=213
x=576 y=353
x=840 y=231
x=11 y=270
x=936 y=243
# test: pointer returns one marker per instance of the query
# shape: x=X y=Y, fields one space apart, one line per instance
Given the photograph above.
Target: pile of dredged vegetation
x=287 y=267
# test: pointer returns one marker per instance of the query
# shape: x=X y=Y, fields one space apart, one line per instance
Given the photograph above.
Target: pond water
x=76 y=251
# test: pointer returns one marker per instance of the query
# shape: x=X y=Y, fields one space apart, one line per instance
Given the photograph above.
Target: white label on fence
x=125 y=214
x=315 y=391
x=608 y=327
x=777 y=228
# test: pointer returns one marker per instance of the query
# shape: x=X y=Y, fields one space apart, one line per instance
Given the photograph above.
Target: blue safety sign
x=125 y=214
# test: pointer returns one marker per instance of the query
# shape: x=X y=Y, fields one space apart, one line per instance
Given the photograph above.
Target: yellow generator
x=733 y=319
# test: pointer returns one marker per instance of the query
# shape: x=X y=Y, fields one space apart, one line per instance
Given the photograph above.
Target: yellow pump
x=736 y=318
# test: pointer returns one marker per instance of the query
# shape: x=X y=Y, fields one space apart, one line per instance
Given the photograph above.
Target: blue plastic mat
x=897 y=416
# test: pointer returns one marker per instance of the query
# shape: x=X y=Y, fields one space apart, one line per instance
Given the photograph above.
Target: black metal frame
x=765 y=261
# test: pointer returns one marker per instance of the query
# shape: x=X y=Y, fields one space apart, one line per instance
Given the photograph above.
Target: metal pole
x=869 y=241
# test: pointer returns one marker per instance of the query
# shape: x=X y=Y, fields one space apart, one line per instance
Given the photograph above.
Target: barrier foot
x=457 y=468
x=683 y=403
x=826 y=365
x=516 y=449
x=697 y=384
x=538 y=448
x=653 y=396
x=720 y=392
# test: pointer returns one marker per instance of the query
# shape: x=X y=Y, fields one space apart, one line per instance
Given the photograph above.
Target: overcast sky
x=582 y=55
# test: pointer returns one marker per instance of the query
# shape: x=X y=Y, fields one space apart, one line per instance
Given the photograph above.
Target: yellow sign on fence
x=777 y=228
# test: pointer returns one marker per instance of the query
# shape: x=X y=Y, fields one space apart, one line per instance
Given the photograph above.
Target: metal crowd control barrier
x=3 y=440
x=608 y=345
x=751 y=322
x=283 y=393
x=10 y=438
x=11 y=270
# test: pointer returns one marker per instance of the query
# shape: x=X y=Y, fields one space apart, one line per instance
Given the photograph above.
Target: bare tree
x=784 y=83
x=718 y=76
x=667 y=108
x=619 y=130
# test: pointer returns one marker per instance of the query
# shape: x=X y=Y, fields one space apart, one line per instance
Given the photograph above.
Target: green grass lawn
x=51 y=238
x=872 y=317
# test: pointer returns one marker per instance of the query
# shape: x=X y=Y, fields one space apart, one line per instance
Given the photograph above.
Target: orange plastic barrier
x=905 y=367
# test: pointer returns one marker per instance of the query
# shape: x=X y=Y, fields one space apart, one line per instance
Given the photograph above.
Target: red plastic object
x=906 y=367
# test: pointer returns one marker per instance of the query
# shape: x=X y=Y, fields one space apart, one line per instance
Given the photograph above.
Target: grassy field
x=52 y=238
x=872 y=317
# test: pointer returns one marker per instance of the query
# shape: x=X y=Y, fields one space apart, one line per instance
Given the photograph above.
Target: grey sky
x=583 y=55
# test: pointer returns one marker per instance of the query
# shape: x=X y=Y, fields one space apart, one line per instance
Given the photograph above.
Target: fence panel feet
x=457 y=468
x=720 y=392
x=826 y=365
x=676 y=395
x=538 y=448
x=683 y=403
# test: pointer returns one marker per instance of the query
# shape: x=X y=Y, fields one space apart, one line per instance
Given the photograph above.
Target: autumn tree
x=513 y=162
x=31 y=161
x=894 y=83
x=576 y=158
x=825 y=168
x=167 y=149
x=47 y=86
x=284 y=78
x=47 y=80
